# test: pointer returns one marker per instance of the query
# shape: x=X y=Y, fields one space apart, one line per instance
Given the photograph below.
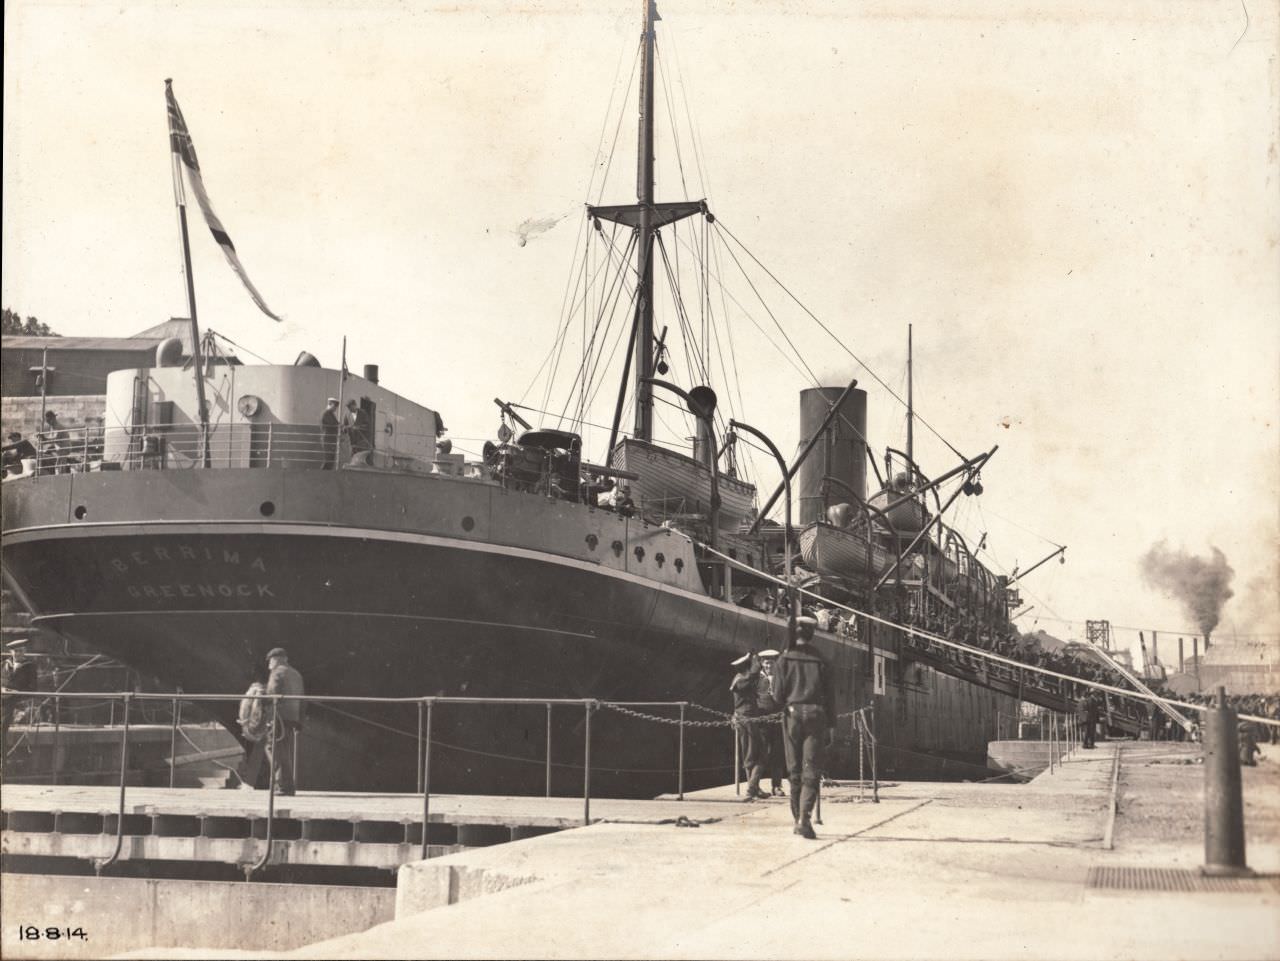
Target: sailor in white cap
x=805 y=688
x=767 y=703
x=751 y=742
x=329 y=425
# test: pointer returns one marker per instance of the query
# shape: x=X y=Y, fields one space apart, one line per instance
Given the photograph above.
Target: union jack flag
x=184 y=150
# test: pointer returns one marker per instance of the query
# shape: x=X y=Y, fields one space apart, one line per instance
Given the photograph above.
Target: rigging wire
x=671 y=117
x=585 y=373
x=832 y=335
x=812 y=377
x=604 y=180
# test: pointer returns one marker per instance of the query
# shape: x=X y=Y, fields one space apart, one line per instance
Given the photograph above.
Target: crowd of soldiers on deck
x=56 y=450
x=1074 y=663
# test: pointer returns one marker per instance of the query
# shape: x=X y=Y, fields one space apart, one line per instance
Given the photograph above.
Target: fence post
x=57 y=738
x=548 y=749
x=862 y=784
x=418 y=783
x=98 y=865
x=875 y=776
x=269 y=427
x=586 y=769
x=273 y=757
x=680 y=780
x=737 y=761
x=173 y=743
x=426 y=779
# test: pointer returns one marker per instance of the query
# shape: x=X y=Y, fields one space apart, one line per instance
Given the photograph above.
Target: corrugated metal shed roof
x=19 y=342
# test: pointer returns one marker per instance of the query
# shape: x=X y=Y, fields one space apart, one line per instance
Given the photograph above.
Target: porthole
x=266 y=508
x=660 y=558
x=639 y=552
x=592 y=541
x=81 y=512
x=679 y=563
x=617 y=548
x=468 y=523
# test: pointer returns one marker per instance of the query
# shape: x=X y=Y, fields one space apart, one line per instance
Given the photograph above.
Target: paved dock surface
x=559 y=812
x=933 y=871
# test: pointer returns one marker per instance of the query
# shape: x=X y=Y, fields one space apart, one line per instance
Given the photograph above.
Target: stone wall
x=130 y=914
x=74 y=411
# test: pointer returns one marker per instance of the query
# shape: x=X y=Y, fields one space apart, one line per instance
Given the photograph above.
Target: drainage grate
x=1174 y=879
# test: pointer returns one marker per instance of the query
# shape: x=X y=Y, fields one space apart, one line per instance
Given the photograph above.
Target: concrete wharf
x=1096 y=860
x=314 y=828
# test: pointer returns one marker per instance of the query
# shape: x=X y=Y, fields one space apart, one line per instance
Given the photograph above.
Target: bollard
x=1223 y=799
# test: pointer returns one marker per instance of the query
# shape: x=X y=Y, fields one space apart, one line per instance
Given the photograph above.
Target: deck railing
x=177 y=447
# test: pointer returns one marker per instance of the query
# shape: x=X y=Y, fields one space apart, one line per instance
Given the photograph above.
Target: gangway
x=1014 y=682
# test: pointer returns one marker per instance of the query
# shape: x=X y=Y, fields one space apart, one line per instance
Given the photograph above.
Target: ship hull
x=378 y=611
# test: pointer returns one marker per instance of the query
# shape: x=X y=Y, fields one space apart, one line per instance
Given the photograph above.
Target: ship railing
x=238 y=445
x=427 y=706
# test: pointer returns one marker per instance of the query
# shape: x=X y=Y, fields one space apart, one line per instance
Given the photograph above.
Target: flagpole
x=342 y=417
x=180 y=201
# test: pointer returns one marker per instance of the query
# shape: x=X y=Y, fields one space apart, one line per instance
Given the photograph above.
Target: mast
x=911 y=446
x=643 y=345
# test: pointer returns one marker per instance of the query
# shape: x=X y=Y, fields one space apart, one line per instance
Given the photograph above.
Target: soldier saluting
x=804 y=686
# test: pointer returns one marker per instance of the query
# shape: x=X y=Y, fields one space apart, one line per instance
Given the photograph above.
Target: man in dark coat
x=359 y=429
x=805 y=687
x=1088 y=713
x=329 y=425
x=745 y=689
x=284 y=679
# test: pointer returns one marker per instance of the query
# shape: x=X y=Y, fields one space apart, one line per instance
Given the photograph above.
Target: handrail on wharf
x=426 y=714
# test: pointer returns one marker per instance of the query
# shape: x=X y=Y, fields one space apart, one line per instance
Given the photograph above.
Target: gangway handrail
x=1133 y=679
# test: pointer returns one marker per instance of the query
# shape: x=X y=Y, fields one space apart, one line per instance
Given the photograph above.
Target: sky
x=1075 y=207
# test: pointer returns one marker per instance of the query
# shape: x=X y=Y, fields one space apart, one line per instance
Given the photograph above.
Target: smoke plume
x=1202 y=584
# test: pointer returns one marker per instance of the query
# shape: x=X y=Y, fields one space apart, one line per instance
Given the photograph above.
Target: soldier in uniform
x=1089 y=715
x=284 y=679
x=745 y=690
x=767 y=703
x=805 y=687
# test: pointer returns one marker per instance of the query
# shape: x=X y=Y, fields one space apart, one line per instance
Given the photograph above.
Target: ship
x=215 y=517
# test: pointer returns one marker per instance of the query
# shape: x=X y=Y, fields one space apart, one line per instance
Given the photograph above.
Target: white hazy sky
x=1076 y=205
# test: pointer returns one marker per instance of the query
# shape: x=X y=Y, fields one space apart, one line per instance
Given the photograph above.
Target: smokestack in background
x=840 y=454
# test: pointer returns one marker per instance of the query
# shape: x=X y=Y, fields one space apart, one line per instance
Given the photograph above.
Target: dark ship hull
x=389 y=585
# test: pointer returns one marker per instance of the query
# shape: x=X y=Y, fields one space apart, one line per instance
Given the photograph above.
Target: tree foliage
x=11 y=322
